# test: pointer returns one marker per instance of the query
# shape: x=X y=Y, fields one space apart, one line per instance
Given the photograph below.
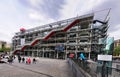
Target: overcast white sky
x=16 y=14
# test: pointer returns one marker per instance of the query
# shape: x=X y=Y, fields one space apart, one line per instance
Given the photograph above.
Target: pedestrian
x=10 y=60
x=72 y=55
x=19 y=59
x=34 y=61
x=23 y=60
x=28 y=61
x=82 y=57
x=14 y=57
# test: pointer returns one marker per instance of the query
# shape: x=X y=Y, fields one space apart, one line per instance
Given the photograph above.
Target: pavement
x=43 y=68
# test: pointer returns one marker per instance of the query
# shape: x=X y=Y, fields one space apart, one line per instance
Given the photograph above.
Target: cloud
x=50 y=8
x=33 y=13
x=74 y=8
x=100 y=7
x=115 y=33
x=114 y=23
x=5 y=36
x=42 y=18
x=115 y=12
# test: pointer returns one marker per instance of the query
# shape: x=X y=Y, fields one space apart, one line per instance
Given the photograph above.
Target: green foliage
x=117 y=50
x=5 y=49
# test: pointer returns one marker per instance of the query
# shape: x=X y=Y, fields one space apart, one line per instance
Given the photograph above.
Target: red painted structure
x=22 y=29
x=51 y=33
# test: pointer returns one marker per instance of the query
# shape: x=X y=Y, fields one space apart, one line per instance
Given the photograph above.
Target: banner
x=22 y=41
x=59 y=48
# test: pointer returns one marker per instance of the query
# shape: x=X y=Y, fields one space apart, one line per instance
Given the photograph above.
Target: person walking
x=10 y=60
x=34 y=61
x=23 y=60
x=28 y=61
x=19 y=59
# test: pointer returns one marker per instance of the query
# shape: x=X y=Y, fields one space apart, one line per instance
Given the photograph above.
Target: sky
x=16 y=14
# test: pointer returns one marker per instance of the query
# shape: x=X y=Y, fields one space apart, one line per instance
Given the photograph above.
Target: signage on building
x=105 y=57
x=22 y=41
x=59 y=48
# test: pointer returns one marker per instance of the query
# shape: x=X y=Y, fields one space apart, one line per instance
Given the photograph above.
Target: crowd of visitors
x=27 y=60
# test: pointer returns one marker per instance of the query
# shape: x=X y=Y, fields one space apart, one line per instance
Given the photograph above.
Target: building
x=2 y=44
x=58 y=39
x=8 y=45
x=116 y=43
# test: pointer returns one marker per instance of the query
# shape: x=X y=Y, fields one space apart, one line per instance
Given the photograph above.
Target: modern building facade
x=58 y=39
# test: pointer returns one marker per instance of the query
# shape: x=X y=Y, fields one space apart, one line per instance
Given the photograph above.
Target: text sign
x=105 y=57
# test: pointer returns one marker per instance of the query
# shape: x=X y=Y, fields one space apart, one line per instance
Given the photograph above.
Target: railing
x=95 y=69
x=86 y=66
x=78 y=72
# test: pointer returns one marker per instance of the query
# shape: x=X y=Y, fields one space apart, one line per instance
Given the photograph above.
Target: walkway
x=43 y=68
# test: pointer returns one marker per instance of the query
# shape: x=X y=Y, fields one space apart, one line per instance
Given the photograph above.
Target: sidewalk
x=43 y=68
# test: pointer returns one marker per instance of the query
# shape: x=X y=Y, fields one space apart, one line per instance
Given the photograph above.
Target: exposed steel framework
x=78 y=34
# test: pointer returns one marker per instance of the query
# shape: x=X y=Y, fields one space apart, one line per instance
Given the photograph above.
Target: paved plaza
x=43 y=68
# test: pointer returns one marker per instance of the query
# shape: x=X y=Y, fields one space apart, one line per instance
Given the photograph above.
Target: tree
x=117 y=51
x=5 y=49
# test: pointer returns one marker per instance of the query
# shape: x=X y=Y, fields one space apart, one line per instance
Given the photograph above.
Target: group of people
x=11 y=59
x=81 y=56
x=28 y=60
